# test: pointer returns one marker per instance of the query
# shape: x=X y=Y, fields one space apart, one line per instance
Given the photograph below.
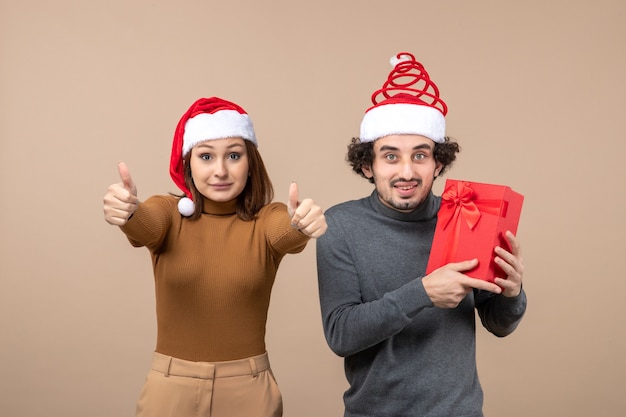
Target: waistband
x=169 y=365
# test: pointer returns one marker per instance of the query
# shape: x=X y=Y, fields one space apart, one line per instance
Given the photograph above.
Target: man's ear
x=367 y=171
x=438 y=169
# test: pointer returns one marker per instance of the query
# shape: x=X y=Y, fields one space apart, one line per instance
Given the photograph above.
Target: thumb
x=127 y=180
x=292 y=204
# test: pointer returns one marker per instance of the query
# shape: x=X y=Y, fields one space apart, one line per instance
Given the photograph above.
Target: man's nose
x=406 y=170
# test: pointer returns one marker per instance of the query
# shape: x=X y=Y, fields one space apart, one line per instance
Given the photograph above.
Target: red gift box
x=471 y=222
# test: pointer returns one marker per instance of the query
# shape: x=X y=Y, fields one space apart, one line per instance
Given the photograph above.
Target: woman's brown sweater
x=213 y=276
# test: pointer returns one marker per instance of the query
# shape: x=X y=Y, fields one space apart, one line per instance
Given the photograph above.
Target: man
x=408 y=339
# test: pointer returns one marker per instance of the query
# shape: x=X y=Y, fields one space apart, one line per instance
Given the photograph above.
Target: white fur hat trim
x=220 y=125
x=403 y=119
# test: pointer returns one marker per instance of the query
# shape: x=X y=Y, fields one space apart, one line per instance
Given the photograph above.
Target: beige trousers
x=180 y=388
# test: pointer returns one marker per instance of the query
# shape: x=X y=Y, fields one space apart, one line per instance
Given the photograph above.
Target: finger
x=516 y=249
x=116 y=219
x=320 y=230
x=509 y=288
x=509 y=262
x=127 y=180
x=513 y=243
x=463 y=266
x=292 y=204
x=117 y=215
x=479 y=284
x=316 y=226
x=507 y=266
x=117 y=194
x=306 y=213
x=314 y=233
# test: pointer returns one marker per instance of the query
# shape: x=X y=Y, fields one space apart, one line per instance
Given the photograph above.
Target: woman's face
x=219 y=168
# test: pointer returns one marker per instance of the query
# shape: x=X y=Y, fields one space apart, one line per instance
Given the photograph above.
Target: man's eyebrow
x=388 y=148
x=393 y=148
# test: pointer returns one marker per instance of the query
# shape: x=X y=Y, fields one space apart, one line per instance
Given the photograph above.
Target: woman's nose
x=220 y=169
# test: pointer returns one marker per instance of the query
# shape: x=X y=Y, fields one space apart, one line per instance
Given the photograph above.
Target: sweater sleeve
x=500 y=315
x=282 y=237
x=350 y=324
x=150 y=222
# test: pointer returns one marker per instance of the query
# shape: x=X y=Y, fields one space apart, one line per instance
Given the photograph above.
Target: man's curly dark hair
x=362 y=154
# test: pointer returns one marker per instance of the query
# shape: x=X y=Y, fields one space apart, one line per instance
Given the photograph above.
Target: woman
x=215 y=252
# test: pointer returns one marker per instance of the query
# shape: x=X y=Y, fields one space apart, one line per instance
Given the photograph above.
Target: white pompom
x=186 y=206
x=394 y=60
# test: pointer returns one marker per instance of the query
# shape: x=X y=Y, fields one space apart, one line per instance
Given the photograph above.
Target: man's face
x=403 y=169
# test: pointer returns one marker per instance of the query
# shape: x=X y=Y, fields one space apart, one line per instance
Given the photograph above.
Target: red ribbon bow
x=459 y=200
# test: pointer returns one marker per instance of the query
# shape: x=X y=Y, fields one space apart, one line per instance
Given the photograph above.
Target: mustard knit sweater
x=213 y=276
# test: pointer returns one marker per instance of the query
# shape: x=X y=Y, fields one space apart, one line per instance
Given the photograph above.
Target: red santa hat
x=407 y=103
x=207 y=119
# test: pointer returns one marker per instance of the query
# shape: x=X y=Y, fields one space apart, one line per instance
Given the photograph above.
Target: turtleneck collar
x=426 y=211
x=220 y=209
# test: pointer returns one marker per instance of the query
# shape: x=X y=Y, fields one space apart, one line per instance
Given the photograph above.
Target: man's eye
x=419 y=156
x=390 y=157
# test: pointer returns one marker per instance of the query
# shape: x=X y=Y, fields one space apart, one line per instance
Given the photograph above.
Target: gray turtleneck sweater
x=403 y=356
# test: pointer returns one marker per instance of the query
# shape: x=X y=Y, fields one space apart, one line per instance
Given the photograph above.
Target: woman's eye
x=234 y=156
x=205 y=156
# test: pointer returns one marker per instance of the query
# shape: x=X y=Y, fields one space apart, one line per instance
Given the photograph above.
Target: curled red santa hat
x=407 y=103
x=207 y=119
